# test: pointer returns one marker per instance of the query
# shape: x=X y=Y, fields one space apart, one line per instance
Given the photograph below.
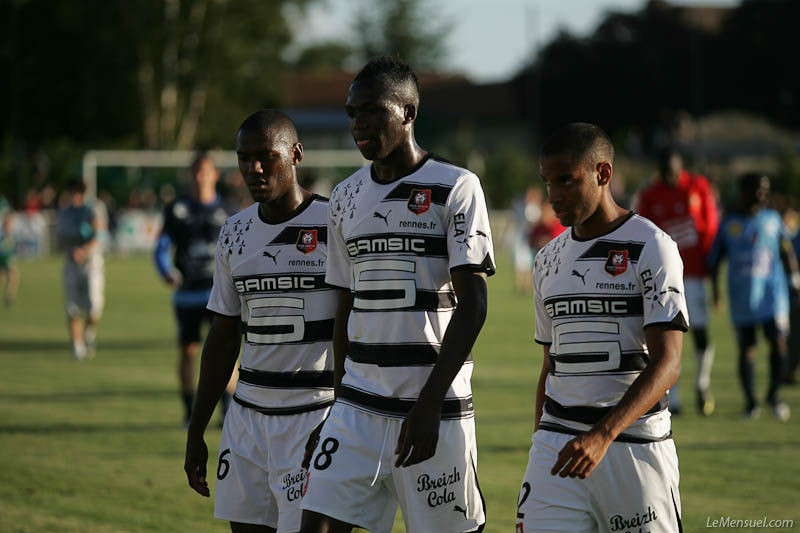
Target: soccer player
x=84 y=269
x=610 y=316
x=268 y=286
x=759 y=255
x=409 y=251
x=191 y=227
x=682 y=204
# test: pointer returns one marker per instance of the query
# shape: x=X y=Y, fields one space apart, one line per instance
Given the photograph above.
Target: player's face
x=266 y=161
x=376 y=120
x=206 y=174
x=572 y=188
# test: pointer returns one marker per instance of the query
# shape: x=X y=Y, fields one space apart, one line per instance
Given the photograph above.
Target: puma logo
x=579 y=275
x=460 y=510
x=385 y=217
x=271 y=256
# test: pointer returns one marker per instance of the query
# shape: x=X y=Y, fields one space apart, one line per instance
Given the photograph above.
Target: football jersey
x=193 y=228
x=393 y=246
x=273 y=277
x=593 y=299
x=688 y=213
x=75 y=228
x=757 y=287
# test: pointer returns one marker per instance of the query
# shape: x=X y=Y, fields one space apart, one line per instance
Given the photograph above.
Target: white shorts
x=353 y=477
x=635 y=487
x=259 y=477
x=695 y=289
x=84 y=287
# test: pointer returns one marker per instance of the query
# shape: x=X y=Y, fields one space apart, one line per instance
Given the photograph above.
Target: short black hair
x=580 y=140
x=751 y=181
x=665 y=155
x=197 y=160
x=392 y=73
x=271 y=120
x=75 y=185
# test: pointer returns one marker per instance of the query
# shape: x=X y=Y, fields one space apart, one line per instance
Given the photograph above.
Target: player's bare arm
x=420 y=430
x=582 y=454
x=789 y=261
x=540 y=388
x=220 y=352
x=340 y=346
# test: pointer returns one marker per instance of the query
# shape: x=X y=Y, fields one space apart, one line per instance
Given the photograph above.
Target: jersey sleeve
x=168 y=225
x=337 y=271
x=469 y=236
x=224 y=298
x=543 y=331
x=661 y=282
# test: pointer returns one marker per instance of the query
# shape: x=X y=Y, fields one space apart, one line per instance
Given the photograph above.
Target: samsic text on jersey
x=393 y=247
x=273 y=277
x=593 y=300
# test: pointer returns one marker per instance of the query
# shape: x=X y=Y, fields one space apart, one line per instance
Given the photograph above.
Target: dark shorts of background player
x=190 y=320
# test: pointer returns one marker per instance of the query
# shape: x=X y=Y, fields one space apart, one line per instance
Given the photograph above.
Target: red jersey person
x=683 y=205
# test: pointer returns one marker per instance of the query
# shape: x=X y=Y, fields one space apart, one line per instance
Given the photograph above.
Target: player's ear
x=604 y=172
x=297 y=153
x=409 y=113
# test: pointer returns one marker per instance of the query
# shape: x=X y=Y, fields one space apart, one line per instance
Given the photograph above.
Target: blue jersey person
x=759 y=256
x=184 y=257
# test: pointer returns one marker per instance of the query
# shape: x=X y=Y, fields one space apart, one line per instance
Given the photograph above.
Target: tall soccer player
x=683 y=205
x=410 y=249
x=269 y=286
x=190 y=231
x=610 y=316
x=760 y=257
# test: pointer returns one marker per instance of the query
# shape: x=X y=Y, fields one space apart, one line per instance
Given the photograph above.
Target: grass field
x=98 y=445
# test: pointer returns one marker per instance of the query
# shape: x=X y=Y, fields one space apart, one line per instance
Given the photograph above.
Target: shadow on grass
x=79 y=396
x=42 y=429
x=57 y=345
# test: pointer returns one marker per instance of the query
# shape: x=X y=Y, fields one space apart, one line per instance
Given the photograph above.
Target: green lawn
x=98 y=446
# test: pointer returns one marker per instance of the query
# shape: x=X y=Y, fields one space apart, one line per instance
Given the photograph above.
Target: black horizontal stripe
x=290 y=234
x=629 y=362
x=285 y=282
x=558 y=428
x=424 y=300
x=293 y=410
x=395 y=354
x=602 y=248
x=287 y=380
x=454 y=408
x=575 y=305
x=397 y=244
x=315 y=331
x=587 y=414
x=439 y=193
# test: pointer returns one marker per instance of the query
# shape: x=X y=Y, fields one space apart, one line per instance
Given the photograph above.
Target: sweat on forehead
x=582 y=142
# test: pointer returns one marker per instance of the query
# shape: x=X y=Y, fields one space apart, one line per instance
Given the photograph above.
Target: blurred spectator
x=753 y=239
x=683 y=205
x=9 y=273
x=525 y=211
x=84 y=278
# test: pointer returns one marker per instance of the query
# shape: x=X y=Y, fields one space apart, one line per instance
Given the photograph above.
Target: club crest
x=307 y=240
x=419 y=201
x=617 y=262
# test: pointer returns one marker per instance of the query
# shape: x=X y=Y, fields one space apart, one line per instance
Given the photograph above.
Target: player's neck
x=206 y=196
x=402 y=161
x=285 y=207
x=606 y=218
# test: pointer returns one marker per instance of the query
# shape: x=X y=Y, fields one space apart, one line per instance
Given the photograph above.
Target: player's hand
x=174 y=279
x=79 y=254
x=311 y=445
x=195 y=465
x=419 y=434
x=581 y=455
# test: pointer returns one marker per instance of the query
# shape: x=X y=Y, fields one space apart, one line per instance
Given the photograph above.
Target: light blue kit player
x=759 y=254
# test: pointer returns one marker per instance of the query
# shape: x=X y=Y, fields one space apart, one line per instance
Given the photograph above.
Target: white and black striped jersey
x=273 y=277
x=393 y=247
x=593 y=300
